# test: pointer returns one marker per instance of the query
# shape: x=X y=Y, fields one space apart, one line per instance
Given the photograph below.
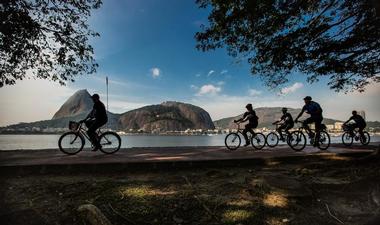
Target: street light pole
x=107 y=96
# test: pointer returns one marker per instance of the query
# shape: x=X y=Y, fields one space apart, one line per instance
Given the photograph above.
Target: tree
x=338 y=39
x=46 y=39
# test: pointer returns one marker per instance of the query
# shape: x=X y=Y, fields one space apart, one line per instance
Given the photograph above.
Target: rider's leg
x=245 y=131
x=92 y=133
x=305 y=124
x=318 y=126
x=361 y=128
x=248 y=128
x=288 y=127
x=279 y=130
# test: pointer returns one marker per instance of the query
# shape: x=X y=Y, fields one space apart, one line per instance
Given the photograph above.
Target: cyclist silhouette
x=359 y=123
x=250 y=115
x=287 y=123
x=95 y=119
x=315 y=111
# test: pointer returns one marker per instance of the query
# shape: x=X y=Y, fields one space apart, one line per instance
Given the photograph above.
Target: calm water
x=11 y=142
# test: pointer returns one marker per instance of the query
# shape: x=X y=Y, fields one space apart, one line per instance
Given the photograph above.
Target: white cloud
x=254 y=92
x=291 y=89
x=194 y=87
x=224 y=71
x=198 y=75
x=155 y=72
x=210 y=72
x=220 y=83
x=209 y=89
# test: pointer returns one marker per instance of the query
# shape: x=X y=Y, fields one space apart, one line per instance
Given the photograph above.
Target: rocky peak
x=80 y=102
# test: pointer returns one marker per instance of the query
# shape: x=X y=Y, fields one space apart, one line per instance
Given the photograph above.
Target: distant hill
x=79 y=103
x=267 y=115
x=167 y=116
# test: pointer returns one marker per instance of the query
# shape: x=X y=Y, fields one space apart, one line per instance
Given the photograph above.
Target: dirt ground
x=330 y=190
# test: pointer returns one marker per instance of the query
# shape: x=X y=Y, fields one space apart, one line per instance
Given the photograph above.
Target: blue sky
x=147 y=49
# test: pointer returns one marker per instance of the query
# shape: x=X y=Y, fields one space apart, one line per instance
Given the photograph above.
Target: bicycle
x=297 y=139
x=233 y=140
x=352 y=134
x=272 y=138
x=73 y=141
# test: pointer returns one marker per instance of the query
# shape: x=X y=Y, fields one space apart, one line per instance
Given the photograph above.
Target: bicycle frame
x=283 y=132
x=303 y=128
x=81 y=131
x=240 y=131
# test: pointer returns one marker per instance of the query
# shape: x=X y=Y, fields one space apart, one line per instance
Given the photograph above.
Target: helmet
x=307 y=98
x=284 y=109
x=354 y=112
x=95 y=96
x=249 y=106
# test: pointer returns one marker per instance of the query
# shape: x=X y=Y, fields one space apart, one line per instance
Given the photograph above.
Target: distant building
x=338 y=125
x=330 y=126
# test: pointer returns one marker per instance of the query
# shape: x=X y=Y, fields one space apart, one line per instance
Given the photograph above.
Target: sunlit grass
x=236 y=215
x=276 y=221
x=275 y=199
x=142 y=191
x=240 y=203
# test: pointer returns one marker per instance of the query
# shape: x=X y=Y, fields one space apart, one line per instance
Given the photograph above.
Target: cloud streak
x=155 y=72
x=208 y=89
x=291 y=89
x=253 y=92
x=210 y=72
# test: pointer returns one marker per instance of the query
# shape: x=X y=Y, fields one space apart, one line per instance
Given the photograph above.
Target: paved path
x=168 y=154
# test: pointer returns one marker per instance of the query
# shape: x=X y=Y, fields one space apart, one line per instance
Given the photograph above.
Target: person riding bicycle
x=95 y=119
x=315 y=111
x=359 y=123
x=253 y=121
x=286 y=121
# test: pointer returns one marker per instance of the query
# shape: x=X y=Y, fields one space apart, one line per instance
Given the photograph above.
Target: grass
x=279 y=193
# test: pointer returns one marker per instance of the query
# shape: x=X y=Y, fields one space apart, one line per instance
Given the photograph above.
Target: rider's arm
x=276 y=122
x=241 y=119
x=300 y=114
x=347 y=121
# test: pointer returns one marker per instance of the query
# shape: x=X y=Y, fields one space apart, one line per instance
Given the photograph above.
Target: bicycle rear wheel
x=324 y=140
x=347 y=139
x=297 y=140
x=272 y=139
x=71 y=143
x=232 y=141
x=367 y=138
x=258 y=141
x=110 y=142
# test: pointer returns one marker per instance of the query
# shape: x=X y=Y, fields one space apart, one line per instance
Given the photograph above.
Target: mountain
x=267 y=115
x=79 y=103
x=167 y=116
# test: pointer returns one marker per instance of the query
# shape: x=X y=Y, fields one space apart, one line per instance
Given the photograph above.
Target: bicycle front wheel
x=324 y=140
x=297 y=140
x=272 y=139
x=110 y=142
x=71 y=143
x=347 y=139
x=258 y=141
x=367 y=138
x=232 y=141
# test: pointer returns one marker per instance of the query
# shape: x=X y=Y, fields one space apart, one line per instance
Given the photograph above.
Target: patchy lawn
x=311 y=191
